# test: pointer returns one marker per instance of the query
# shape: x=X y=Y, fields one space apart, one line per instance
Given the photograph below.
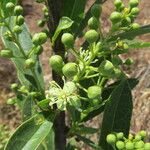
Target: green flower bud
x=120 y=135
x=6 y=53
x=29 y=63
x=23 y=89
x=126 y=21
x=96 y=10
x=39 y=38
x=10 y=6
x=139 y=144
x=135 y=26
x=18 y=10
x=98 y=47
x=41 y=23
x=11 y=101
x=91 y=36
x=56 y=62
x=111 y=139
x=70 y=70
x=94 y=92
x=129 y=146
x=93 y=23
x=14 y=86
x=147 y=146
x=20 y=20
x=115 y=17
x=120 y=145
x=117 y=3
x=68 y=40
x=137 y=138
x=135 y=11
x=8 y=36
x=17 y=29
x=38 y=50
x=133 y=3
x=142 y=134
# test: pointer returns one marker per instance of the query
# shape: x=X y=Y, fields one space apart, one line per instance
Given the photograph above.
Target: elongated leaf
x=30 y=134
x=64 y=23
x=117 y=114
x=138 y=44
x=133 y=33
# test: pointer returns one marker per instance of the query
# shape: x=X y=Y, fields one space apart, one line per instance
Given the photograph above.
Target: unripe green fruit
x=94 y=92
x=6 y=53
x=120 y=135
x=118 y=3
x=137 y=138
x=139 y=144
x=10 y=6
x=41 y=23
x=126 y=21
x=38 y=50
x=120 y=145
x=93 y=23
x=91 y=36
x=69 y=70
x=147 y=146
x=14 y=86
x=133 y=3
x=20 y=20
x=18 y=10
x=111 y=139
x=135 y=11
x=107 y=69
x=115 y=17
x=96 y=10
x=129 y=146
x=11 y=101
x=68 y=40
x=39 y=38
x=17 y=29
x=29 y=63
x=56 y=63
x=135 y=26
x=143 y=133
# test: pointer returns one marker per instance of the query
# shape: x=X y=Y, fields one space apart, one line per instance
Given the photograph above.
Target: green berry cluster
x=133 y=142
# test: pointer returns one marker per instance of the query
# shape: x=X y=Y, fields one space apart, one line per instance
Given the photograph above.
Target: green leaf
x=132 y=33
x=117 y=114
x=64 y=23
x=138 y=44
x=30 y=134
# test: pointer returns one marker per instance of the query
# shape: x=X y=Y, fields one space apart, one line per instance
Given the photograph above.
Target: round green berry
x=68 y=40
x=142 y=134
x=11 y=101
x=111 y=139
x=39 y=38
x=94 y=92
x=120 y=145
x=14 y=86
x=38 y=50
x=129 y=146
x=6 y=53
x=117 y=3
x=18 y=10
x=17 y=29
x=20 y=20
x=41 y=23
x=135 y=26
x=120 y=135
x=70 y=70
x=91 y=36
x=139 y=144
x=10 y=6
x=126 y=21
x=115 y=17
x=147 y=146
x=96 y=10
x=135 y=11
x=137 y=137
x=93 y=23
x=29 y=63
x=56 y=62
x=133 y=3
x=106 y=69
